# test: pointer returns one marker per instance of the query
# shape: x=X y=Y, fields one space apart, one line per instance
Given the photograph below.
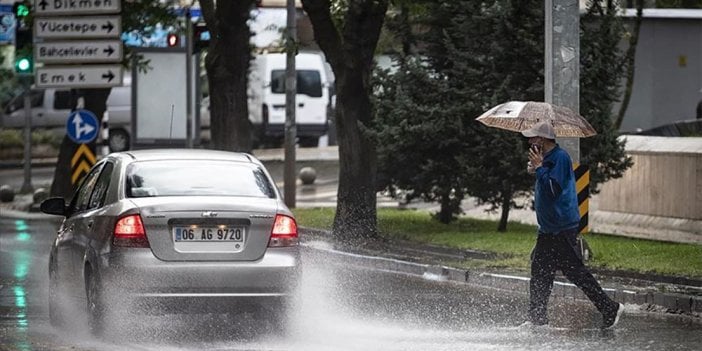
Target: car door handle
x=302 y=104
x=40 y=114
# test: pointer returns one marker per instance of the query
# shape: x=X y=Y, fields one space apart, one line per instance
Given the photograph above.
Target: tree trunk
x=446 y=210
x=227 y=65
x=506 y=200
x=356 y=205
x=62 y=185
x=350 y=50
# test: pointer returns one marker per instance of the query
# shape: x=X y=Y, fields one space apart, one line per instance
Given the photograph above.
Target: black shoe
x=612 y=318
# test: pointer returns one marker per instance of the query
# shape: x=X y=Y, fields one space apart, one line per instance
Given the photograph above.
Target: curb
x=649 y=301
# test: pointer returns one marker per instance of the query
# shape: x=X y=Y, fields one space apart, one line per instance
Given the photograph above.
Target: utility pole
x=189 y=130
x=290 y=105
x=27 y=183
x=562 y=57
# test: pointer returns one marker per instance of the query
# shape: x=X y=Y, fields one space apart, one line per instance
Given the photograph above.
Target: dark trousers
x=560 y=252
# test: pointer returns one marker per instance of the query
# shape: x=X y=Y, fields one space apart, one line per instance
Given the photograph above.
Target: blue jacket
x=555 y=198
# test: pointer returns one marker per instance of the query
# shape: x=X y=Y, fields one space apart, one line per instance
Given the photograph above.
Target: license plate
x=208 y=234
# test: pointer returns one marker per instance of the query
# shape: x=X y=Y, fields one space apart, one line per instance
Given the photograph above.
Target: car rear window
x=197 y=178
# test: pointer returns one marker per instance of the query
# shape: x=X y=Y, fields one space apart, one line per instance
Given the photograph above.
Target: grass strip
x=514 y=246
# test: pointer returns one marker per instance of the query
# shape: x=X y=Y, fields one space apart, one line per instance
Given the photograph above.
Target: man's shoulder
x=560 y=154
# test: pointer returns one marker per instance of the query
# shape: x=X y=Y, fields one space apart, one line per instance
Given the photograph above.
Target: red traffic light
x=172 y=40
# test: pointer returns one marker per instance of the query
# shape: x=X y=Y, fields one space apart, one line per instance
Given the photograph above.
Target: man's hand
x=535 y=158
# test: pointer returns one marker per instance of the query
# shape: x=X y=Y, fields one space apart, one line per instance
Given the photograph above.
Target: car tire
x=118 y=140
x=95 y=307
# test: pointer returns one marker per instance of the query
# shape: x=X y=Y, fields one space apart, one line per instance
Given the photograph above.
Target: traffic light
x=201 y=37
x=24 y=65
x=24 y=59
x=20 y=9
x=172 y=40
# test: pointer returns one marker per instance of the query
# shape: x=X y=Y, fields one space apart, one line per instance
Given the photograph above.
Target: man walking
x=558 y=217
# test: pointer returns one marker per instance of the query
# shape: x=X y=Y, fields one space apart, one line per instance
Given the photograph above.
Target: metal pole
x=290 y=105
x=188 y=79
x=27 y=183
x=562 y=58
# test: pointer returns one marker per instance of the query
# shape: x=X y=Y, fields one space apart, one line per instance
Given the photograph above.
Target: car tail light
x=129 y=232
x=284 y=232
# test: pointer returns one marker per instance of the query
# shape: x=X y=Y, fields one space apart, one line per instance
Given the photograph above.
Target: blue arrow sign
x=82 y=126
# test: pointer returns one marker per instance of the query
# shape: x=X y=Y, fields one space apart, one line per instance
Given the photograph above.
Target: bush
x=14 y=138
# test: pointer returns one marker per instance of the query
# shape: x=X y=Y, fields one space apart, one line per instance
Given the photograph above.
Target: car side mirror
x=54 y=206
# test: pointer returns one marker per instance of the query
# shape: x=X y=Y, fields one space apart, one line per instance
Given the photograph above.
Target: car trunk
x=207 y=228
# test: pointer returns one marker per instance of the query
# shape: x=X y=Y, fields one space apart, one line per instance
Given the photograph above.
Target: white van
x=51 y=107
x=267 y=97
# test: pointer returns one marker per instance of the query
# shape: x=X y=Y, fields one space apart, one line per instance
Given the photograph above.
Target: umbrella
x=518 y=116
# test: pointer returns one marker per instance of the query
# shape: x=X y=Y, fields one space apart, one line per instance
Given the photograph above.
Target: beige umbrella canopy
x=518 y=116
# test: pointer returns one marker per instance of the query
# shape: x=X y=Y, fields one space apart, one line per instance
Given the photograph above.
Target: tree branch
x=325 y=32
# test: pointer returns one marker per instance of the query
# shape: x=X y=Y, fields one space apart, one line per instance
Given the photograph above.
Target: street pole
x=290 y=104
x=189 y=79
x=562 y=58
x=27 y=183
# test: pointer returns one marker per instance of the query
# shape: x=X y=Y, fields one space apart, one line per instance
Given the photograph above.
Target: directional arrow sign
x=98 y=76
x=78 y=27
x=76 y=7
x=82 y=126
x=78 y=51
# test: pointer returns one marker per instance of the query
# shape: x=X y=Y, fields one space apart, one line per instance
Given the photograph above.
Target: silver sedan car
x=182 y=230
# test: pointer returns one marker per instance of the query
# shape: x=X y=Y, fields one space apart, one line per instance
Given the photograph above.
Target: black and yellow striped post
x=582 y=187
x=81 y=162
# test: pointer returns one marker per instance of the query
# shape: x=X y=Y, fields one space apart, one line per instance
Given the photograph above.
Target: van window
x=62 y=100
x=309 y=82
x=35 y=100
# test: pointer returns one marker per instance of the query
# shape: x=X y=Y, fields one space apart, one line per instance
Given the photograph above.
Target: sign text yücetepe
x=68 y=27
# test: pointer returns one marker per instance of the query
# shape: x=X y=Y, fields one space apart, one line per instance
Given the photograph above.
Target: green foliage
x=478 y=54
x=602 y=68
x=13 y=138
x=421 y=134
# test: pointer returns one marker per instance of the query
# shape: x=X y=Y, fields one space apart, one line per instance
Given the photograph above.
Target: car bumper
x=140 y=278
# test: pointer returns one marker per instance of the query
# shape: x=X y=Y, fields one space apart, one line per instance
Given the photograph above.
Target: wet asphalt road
x=344 y=307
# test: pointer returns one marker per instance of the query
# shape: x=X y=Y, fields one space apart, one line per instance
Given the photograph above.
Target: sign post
x=67 y=37
x=78 y=45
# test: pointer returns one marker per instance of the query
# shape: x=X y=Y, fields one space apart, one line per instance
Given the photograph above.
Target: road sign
x=76 y=7
x=78 y=27
x=89 y=76
x=82 y=126
x=82 y=160
x=78 y=51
